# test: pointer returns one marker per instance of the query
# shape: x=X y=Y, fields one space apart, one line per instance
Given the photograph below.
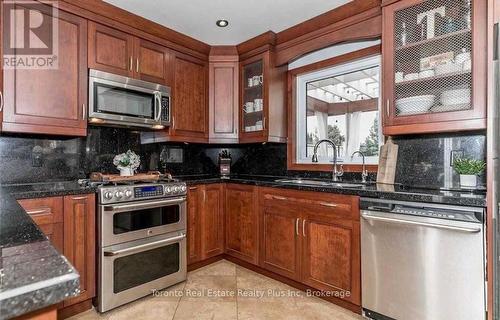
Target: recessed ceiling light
x=222 y=23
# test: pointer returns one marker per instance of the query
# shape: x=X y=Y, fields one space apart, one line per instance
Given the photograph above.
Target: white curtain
x=353 y=123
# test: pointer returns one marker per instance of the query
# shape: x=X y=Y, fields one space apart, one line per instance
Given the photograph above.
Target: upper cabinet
x=120 y=53
x=50 y=100
x=434 y=61
x=189 y=122
x=223 y=95
x=262 y=99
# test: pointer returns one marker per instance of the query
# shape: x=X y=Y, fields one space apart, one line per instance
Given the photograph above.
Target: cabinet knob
x=1 y=101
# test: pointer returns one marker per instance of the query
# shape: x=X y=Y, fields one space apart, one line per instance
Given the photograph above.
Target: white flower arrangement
x=128 y=159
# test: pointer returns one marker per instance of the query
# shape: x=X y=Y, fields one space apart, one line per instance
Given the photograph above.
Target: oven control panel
x=126 y=193
x=148 y=191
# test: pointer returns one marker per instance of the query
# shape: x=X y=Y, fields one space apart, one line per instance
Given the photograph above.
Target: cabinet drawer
x=334 y=205
x=44 y=211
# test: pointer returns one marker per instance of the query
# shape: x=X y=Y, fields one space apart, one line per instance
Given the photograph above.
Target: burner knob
x=128 y=193
x=119 y=194
x=168 y=189
x=183 y=188
x=176 y=189
x=108 y=195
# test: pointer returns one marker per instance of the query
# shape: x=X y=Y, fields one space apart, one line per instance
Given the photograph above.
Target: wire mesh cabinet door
x=434 y=62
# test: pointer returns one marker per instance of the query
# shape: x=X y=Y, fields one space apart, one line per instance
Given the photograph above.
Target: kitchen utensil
x=414 y=105
x=387 y=162
x=462 y=57
x=456 y=97
x=426 y=74
x=411 y=76
x=448 y=68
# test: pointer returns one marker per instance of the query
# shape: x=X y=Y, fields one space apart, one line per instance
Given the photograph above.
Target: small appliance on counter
x=225 y=164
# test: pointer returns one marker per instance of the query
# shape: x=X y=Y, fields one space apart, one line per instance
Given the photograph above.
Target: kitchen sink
x=320 y=183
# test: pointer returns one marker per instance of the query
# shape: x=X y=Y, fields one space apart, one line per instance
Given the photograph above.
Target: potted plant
x=127 y=163
x=468 y=169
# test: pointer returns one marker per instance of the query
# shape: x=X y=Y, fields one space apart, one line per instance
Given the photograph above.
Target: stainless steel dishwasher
x=422 y=261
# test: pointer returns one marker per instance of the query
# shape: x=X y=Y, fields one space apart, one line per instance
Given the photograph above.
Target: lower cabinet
x=69 y=223
x=242 y=222
x=313 y=238
x=205 y=220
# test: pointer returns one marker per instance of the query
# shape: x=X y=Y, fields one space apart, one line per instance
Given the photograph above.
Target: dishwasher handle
x=368 y=216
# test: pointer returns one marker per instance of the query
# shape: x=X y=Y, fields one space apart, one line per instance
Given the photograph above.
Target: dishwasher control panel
x=447 y=212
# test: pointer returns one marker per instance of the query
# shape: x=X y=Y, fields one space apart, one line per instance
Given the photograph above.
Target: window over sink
x=340 y=103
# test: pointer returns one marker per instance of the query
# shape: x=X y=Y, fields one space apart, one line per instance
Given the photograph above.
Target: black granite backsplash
x=423 y=160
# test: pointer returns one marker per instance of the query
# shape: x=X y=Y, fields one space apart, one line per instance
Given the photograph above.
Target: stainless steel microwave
x=121 y=101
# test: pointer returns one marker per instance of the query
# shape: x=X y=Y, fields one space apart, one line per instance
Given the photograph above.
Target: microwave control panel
x=165 y=109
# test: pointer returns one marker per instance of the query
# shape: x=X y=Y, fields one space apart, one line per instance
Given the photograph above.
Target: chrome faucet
x=364 y=173
x=336 y=173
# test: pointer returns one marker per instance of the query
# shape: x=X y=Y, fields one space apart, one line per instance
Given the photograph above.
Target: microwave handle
x=158 y=110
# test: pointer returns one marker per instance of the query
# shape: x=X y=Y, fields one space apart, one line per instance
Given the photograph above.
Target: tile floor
x=226 y=291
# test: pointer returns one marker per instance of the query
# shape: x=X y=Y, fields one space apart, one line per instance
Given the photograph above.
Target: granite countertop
x=390 y=192
x=33 y=274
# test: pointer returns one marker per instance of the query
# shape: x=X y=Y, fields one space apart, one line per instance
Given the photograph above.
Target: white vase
x=126 y=171
x=468 y=180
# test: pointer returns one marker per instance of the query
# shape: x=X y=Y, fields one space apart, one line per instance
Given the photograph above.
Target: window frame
x=293 y=163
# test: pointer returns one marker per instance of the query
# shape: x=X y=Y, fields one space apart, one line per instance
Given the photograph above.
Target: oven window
x=123 y=102
x=143 y=267
x=145 y=219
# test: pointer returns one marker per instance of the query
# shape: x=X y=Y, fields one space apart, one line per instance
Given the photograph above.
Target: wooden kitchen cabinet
x=456 y=92
x=242 y=222
x=48 y=214
x=69 y=223
x=194 y=208
x=312 y=238
x=79 y=242
x=205 y=222
x=117 y=52
x=223 y=96
x=262 y=101
x=51 y=101
x=190 y=117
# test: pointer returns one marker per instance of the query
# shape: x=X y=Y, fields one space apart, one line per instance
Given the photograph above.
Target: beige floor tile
x=89 y=315
x=264 y=310
x=173 y=293
x=145 y=309
x=220 y=268
x=210 y=288
x=209 y=310
x=317 y=309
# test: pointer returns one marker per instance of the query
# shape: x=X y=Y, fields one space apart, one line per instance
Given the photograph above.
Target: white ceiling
x=247 y=18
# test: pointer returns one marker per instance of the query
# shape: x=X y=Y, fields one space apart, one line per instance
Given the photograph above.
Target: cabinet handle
x=387 y=107
x=297 y=226
x=40 y=211
x=131 y=63
x=279 y=198
x=304 y=227
x=1 y=101
x=264 y=123
x=137 y=66
x=193 y=188
x=84 y=112
x=328 y=204
x=78 y=198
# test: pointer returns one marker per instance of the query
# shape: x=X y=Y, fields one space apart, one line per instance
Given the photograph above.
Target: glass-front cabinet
x=262 y=99
x=434 y=62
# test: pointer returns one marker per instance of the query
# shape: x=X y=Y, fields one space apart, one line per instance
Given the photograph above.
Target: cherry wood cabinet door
x=212 y=221
x=190 y=100
x=279 y=243
x=223 y=104
x=110 y=50
x=153 y=62
x=242 y=222
x=194 y=207
x=331 y=254
x=47 y=213
x=51 y=101
x=79 y=242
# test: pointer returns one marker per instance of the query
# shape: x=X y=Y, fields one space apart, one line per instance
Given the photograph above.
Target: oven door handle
x=146 y=246
x=143 y=205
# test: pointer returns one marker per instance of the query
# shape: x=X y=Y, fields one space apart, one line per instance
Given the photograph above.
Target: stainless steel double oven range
x=142 y=240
